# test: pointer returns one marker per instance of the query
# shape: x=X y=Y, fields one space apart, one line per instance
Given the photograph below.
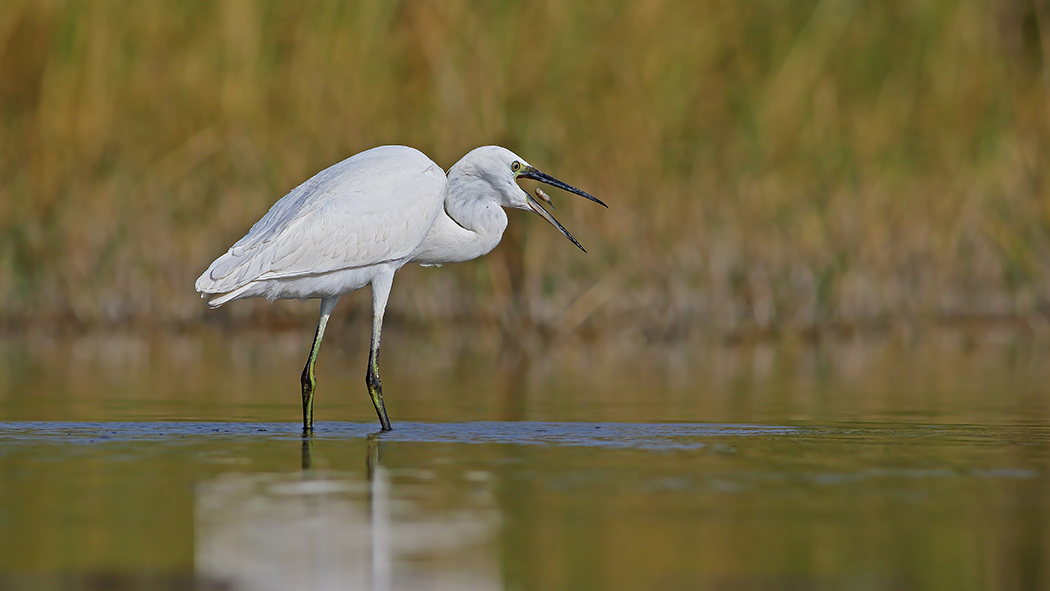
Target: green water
x=176 y=463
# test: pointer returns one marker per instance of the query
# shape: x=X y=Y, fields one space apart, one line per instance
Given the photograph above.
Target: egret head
x=501 y=168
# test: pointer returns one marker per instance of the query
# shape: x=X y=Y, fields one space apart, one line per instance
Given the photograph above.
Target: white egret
x=359 y=221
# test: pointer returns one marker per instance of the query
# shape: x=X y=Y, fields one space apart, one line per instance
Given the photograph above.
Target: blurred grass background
x=770 y=166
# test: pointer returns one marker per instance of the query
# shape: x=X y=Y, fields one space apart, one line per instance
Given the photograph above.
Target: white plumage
x=359 y=221
x=371 y=208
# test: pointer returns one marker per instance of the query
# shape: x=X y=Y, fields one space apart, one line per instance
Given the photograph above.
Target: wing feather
x=373 y=207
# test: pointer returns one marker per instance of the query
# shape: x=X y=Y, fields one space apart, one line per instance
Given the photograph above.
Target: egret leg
x=308 y=381
x=380 y=294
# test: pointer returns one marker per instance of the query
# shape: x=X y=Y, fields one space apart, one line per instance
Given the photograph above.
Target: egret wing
x=354 y=230
x=373 y=207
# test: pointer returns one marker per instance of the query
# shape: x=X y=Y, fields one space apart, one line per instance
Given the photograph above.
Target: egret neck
x=471 y=224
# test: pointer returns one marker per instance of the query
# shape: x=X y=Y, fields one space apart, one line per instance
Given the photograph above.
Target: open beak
x=532 y=173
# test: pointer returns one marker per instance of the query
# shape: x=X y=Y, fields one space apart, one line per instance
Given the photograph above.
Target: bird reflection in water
x=330 y=530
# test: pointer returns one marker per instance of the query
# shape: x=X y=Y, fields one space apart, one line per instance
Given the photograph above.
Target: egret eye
x=515 y=166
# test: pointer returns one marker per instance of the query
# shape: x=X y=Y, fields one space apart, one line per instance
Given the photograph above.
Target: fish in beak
x=533 y=174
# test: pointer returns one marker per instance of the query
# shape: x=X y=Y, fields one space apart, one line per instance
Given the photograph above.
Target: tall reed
x=768 y=165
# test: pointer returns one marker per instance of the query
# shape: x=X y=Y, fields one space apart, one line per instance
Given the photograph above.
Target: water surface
x=147 y=463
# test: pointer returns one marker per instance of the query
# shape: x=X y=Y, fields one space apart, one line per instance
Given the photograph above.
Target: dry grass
x=768 y=166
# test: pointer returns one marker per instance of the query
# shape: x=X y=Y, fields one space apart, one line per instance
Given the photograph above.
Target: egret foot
x=308 y=384
x=375 y=389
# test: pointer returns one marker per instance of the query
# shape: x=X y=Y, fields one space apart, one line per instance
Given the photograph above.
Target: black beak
x=533 y=174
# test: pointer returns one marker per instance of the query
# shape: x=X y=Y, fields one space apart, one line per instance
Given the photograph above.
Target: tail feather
x=228 y=277
x=226 y=297
x=230 y=272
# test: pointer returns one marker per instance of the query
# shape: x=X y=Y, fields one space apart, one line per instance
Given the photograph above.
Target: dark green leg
x=375 y=387
x=308 y=381
x=380 y=293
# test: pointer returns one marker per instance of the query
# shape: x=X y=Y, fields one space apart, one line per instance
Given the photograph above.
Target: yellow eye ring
x=515 y=166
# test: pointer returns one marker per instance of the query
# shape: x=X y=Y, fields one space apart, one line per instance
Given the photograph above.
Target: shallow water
x=860 y=465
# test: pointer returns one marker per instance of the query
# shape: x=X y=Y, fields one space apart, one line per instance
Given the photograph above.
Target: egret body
x=359 y=221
